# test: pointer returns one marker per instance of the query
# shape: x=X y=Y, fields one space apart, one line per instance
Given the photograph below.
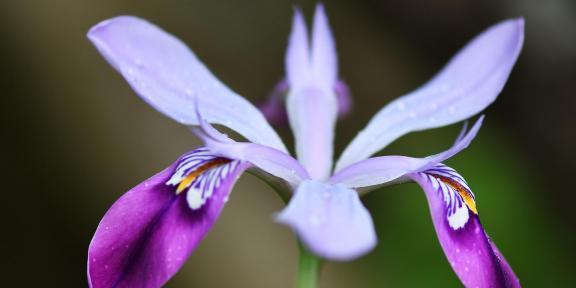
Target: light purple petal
x=324 y=60
x=383 y=169
x=148 y=234
x=330 y=220
x=167 y=75
x=274 y=108
x=267 y=159
x=470 y=252
x=312 y=104
x=298 y=52
x=467 y=84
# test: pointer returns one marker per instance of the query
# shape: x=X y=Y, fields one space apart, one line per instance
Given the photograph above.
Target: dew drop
x=226 y=199
x=315 y=220
x=401 y=106
x=412 y=114
x=452 y=109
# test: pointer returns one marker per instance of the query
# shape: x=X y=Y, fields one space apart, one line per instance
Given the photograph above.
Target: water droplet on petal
x=315 y=220
x=401 y=106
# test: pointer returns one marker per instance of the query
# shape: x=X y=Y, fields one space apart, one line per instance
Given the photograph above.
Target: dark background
x=75 y=137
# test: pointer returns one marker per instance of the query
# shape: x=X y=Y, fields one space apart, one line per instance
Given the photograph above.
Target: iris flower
x=149 y=232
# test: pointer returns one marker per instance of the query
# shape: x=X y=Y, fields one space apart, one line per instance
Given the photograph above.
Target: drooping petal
x=470 y=252
x=312 y=104
x=468 y=83
x=267 y=159
x=330 y=220
x=383 y=169
x=167 y=75
x=148 y=234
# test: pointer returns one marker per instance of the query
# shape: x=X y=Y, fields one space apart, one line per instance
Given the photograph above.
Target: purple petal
x=468 y=84
x=273 y=108
x=275 y=111
x=298 y=52
x=312 y=103
x=148 y=234
x=471 y=253
x=344 y=99
x=324 y=60
x=269 y=160
x=167 y=75
x=383 y=169
x=330 y=220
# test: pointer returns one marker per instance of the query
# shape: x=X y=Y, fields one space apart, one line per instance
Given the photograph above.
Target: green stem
x=308 y=268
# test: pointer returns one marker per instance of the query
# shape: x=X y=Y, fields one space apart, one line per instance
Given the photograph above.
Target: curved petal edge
x=469 y=250
x=149 y=232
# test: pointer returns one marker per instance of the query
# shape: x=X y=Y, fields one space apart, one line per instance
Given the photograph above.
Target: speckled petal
x=470 y=252
x=147 y=234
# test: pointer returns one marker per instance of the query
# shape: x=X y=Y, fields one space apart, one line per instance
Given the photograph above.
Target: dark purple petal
x=273 y=108
x=471 y=253
x=148 y=234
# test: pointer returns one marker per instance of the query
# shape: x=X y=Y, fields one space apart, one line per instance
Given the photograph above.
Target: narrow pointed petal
x=267 y=159
x=274 y=108
x=470 y=252
x=169 y=77
x=330 y=220
x=384 y=169
x=148 y=234
x=324 y=57
x=312 y=103
x=468 y=83
x=298 y=52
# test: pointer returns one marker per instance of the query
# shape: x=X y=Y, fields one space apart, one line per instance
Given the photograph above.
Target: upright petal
x=467 y=84
x=384 y=169
x=274 y=108
x=312 y=103
x=298 y=51
x=148 y=234
x=330 y=220
x=167 y=75
x=471 y=253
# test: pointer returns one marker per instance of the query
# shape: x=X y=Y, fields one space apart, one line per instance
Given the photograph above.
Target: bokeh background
x=75 y=137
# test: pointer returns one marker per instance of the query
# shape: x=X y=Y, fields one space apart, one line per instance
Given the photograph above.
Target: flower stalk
x=309 y=266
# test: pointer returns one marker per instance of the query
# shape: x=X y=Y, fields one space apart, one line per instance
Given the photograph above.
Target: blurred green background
x=75 y=137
